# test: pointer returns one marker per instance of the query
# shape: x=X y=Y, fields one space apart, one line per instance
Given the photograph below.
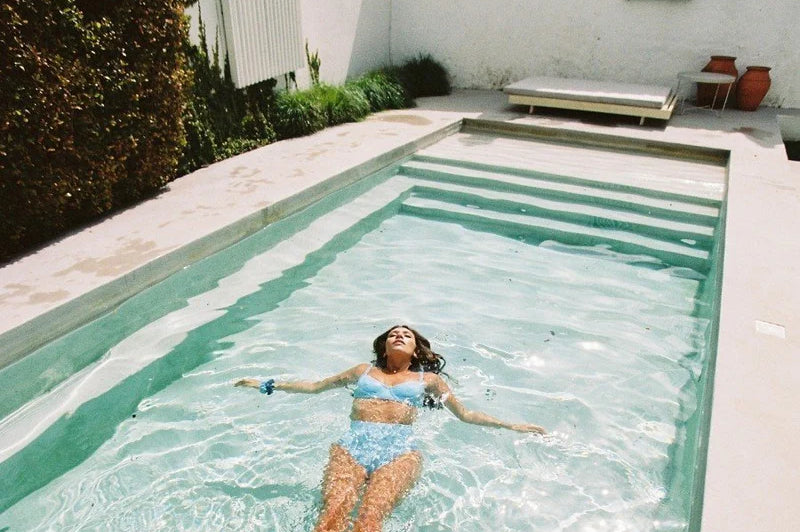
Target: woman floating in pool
x=379 y=452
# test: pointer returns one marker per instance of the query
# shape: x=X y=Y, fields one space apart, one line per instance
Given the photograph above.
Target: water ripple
x=601 y=351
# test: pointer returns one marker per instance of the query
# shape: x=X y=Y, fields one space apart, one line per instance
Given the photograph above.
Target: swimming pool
x=606 y=345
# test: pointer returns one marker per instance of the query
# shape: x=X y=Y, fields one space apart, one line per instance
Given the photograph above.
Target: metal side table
x=707 y=77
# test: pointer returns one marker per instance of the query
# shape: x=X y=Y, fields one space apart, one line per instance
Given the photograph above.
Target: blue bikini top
x=409 y=392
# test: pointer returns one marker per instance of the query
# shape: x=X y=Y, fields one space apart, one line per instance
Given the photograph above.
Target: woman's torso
x=384 y=398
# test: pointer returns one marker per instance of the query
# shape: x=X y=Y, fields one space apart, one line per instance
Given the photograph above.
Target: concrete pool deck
x=753 y=471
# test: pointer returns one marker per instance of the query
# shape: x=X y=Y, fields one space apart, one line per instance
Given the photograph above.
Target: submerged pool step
x=693 y=235
x=542 y=229
x=692 y=210
x=678 y=186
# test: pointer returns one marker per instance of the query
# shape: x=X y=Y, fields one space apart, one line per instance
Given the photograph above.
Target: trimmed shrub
x=235 y=146
x=48 y=179
x=297 y=114
x=146 y=91
x=422 y=76
x=381 y=90
x=340 y=104
x=300 y=113
x=256 y=127
x=92 y=95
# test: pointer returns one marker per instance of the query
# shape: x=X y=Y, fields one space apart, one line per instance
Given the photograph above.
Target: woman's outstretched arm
x=342 y=379
x=440 y=388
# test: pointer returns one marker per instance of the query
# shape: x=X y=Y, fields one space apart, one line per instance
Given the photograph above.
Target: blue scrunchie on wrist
x=267 y=387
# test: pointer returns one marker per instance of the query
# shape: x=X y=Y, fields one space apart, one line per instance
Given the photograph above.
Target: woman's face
x=401 y=339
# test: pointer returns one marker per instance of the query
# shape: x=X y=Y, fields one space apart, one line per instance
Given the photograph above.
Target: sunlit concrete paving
x=753 y=475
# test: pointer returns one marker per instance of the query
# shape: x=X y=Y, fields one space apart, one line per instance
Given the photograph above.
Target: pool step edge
x=567 y=211
x=589 y=194
x=566 y=232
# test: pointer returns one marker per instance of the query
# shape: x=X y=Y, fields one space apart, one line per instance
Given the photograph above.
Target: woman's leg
x=385 y=488
x=340 y=486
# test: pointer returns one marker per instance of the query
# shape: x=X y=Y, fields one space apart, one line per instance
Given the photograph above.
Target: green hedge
x=91 y=99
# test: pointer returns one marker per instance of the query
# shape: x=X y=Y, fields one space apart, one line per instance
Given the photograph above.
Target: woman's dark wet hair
x=425 y=359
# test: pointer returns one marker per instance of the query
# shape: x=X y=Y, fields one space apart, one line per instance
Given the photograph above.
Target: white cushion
x=591 y=91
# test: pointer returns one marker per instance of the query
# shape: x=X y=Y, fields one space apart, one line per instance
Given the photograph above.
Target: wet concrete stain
x=14 y=290
x=413 y=120
x=248 y=187
x=28 y=294
x=754 y=132
x=244 y=171
x=120 y=261
x=314 y=154
x=48 y=297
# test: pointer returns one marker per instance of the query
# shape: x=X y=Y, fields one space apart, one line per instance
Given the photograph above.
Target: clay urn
x=752 y=88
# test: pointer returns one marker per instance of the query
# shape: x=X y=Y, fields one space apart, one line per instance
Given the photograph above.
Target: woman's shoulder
x=351 y=374
x=361 y=368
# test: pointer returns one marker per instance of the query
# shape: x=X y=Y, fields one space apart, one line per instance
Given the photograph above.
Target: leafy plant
x=422 y=76
x=297 y=114
x=381 y=90
x=340 y=104
x=313 y=65
x=235 y=146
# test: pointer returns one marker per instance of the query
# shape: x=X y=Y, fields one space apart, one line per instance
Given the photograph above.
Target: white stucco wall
x=352 y=36
x=487 y=43
x=207 y=10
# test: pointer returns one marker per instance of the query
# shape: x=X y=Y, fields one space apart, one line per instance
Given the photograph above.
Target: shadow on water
x=263 y=493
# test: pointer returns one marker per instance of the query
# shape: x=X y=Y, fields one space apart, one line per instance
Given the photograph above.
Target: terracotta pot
x=721 y=64
x=752 y=88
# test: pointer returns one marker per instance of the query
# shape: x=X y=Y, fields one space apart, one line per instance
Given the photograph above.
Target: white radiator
x=263 y=38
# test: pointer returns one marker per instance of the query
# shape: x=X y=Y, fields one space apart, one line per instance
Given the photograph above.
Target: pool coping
x=753 y=469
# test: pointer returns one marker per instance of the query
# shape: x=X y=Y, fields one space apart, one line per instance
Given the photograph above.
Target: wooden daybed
x=644 y=101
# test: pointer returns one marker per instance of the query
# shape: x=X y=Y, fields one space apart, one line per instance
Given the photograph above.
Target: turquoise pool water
x=608 y=349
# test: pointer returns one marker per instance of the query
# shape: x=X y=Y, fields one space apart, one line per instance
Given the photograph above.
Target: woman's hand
x=249 y=383
x=527 y=427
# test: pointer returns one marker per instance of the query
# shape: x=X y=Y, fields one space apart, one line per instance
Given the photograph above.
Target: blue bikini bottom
x=376 y=444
